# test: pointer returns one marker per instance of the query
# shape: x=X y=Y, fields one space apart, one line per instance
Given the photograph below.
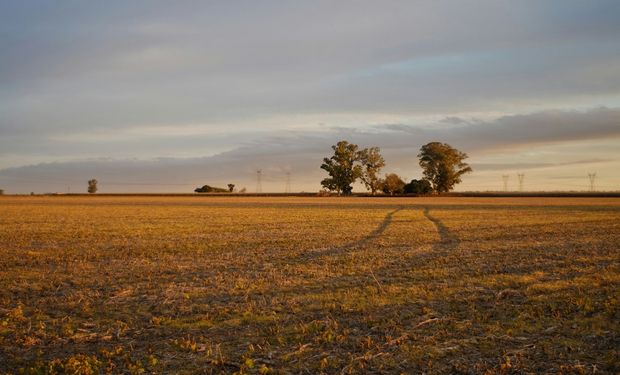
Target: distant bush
x=324 y=193
x=210 y=189
x=419 y=187
x=393 y=184
x=1 y=191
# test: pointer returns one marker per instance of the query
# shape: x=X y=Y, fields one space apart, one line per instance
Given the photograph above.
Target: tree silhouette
x=419 y=187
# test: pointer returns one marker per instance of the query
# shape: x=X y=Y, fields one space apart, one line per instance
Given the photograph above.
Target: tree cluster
x=212 y=189
x=442 y=167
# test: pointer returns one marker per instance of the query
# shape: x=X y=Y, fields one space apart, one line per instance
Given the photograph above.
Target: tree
x=393 y=184
x=372 y=162
x=231 y=187
x=442 y=165
x=342 y=168
x=419 y=187
x=210 y=189
x=1 y=192
x=92 y=186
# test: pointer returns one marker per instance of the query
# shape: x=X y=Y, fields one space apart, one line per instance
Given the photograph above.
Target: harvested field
x=309 y=285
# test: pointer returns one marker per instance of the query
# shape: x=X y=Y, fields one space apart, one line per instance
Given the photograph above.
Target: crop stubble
x=186 y=285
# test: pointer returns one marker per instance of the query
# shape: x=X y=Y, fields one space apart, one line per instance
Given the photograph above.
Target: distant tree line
x=442 y=167
x=211 y=189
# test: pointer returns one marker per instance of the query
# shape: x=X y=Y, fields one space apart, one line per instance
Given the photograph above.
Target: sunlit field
x=309 y=285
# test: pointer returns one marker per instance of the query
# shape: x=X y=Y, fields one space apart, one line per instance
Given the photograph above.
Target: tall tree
x=92 y=186
x=342 y=168
x=372 y=162
x=443 y=165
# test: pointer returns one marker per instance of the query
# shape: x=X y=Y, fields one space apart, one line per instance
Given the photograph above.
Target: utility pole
x=521 y=176
x=287 y=186
x=592 y=178
x=505 y=179
x=259 y=182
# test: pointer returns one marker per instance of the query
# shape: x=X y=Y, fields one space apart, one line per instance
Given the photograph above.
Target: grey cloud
x=528 y=166
x=70 y=65
x=540 y=127
x=81 y=80
x=301 y=153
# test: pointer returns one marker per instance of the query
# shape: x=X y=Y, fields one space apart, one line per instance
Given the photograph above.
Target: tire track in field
x=378 y=231
x=447 y=239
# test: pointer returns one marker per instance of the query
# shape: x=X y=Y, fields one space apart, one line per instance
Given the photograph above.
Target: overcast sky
x=166 y=96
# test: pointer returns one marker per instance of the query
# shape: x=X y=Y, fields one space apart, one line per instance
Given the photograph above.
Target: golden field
x=309 y=285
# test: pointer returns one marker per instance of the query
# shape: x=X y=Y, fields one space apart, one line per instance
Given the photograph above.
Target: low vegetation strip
x=180 y=285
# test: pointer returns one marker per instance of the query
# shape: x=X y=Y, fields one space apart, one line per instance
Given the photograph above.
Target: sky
x=161 y=96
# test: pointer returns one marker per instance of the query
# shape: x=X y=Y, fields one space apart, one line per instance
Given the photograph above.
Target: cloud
x=70 y=67
x=503 y=167
x=301 y=152
x=524 y=129
x=259 y=84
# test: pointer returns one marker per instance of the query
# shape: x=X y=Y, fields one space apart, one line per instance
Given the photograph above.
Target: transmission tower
x=521 y=176
x=287 y=186
x=259 y=181
x=505 y=179
x=592 y=177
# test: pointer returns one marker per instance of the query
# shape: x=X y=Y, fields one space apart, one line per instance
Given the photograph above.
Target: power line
x=521 y=176
x=287 y=186
x=592 y=178
x=259 y=182
x=505 y=180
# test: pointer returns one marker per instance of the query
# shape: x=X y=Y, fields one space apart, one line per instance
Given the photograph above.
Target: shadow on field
x=448 y=239
x=378 y=231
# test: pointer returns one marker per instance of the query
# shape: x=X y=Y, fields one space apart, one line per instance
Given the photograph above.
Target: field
x=309 y=285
